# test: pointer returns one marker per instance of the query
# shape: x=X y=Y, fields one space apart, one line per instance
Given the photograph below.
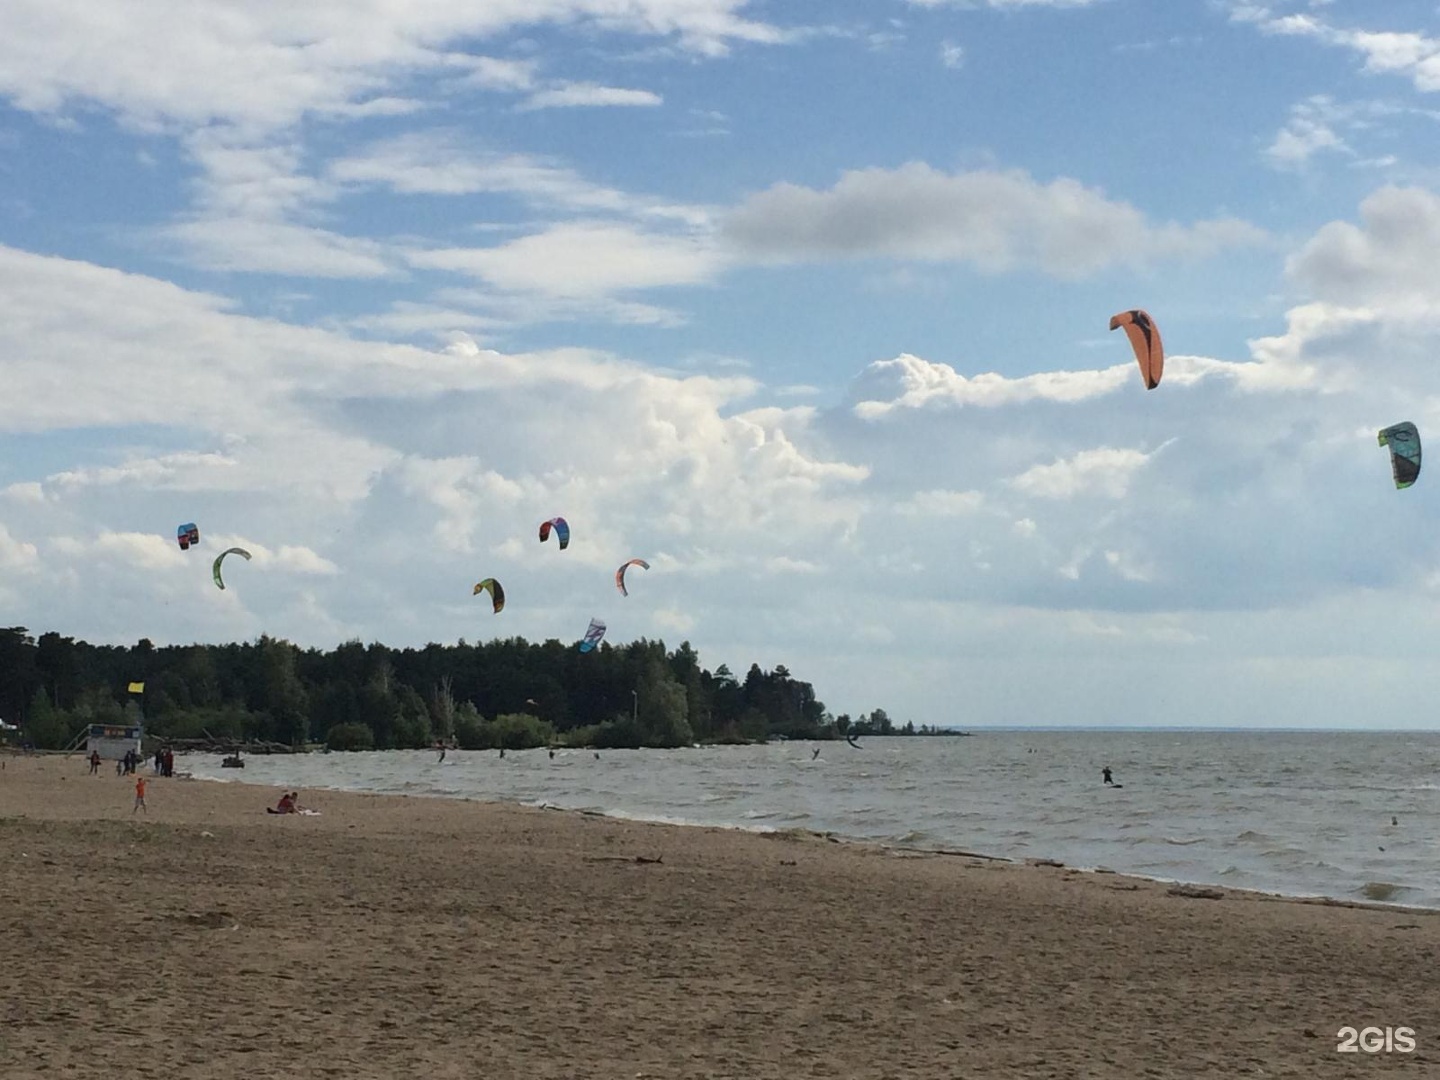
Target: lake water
x=1300 y=813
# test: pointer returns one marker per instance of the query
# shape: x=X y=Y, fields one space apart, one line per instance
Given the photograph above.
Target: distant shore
x=205 y=938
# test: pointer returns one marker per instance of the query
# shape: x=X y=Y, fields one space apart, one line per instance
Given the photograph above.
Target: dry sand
x=393 y=937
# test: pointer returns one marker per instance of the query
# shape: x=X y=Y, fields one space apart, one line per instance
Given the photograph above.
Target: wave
x=914 y=836
x=1384 y=891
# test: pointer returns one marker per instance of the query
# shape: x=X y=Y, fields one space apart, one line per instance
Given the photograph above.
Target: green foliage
x=517 y=731
x=47 y=727
x=350 y=737
x=638 y=694
x=469 y=727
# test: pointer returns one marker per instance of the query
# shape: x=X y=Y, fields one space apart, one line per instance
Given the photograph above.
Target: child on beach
x=140 y=795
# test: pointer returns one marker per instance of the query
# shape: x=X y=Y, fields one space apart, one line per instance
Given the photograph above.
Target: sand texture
x=399 y=937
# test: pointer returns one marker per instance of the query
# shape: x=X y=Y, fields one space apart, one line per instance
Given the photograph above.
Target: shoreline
x=836 y=836
x=464 y=937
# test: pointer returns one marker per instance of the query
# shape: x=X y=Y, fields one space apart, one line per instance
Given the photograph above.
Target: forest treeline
x=505 y=693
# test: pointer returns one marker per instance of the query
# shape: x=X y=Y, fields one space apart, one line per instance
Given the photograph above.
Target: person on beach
x=1105 y=773
x=287 y=803
x=140 y=795
x=94 y=762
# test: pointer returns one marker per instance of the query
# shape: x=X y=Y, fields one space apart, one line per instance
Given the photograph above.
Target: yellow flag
x=137 y=688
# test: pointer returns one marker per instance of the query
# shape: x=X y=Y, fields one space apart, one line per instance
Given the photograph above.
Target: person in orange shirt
x=140 y=795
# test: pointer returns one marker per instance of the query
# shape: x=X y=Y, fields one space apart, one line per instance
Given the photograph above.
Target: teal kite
x=1404 y=442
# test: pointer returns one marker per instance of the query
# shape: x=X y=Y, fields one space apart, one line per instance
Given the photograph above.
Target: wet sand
x=395 y=936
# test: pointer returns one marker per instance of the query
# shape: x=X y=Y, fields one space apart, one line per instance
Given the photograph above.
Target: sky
x=806 y=304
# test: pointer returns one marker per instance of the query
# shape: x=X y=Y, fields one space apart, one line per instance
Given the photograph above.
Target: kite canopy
x=215 y=569
x=620 y=574
x=497 y=594
x=187 y=534
x=562 y=530
x=1404 y=442
x=1144 y=338
x=593 y=635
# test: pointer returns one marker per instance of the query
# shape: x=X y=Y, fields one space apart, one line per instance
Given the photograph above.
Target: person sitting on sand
x=287 y=804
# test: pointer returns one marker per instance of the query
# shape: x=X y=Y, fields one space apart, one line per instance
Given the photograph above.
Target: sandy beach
x=390 y=936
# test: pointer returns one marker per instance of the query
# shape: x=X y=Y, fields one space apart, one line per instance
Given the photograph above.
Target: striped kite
x=593 y=635
x=562 y=530
x=620 y=574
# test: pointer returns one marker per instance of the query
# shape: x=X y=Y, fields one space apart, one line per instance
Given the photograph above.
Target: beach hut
x=113 y=740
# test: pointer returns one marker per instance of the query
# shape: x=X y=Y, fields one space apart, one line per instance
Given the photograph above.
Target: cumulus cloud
x=993 y=220
x=908 y=382
x=1380 y=264
x=1105 y=471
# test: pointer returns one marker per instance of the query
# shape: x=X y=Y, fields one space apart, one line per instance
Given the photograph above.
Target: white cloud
x=16 y=555
x=277 y=247
x=908 y=382
x=146 y=551
x=1106 y=471
x=1005 y=4
x=444 y=162
x=1385 y=264
x=573 y=95
x=262 y=68
x=928 y=504
x=1309 y=131
x=1411 y=54
x=583 y=258
x=952 y=55
x=996 y=221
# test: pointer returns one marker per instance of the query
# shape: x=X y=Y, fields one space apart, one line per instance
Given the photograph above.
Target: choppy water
x=1300 y=813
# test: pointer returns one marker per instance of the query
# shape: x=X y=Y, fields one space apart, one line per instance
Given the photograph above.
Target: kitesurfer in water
x=1105 y=773
x=814 y=753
